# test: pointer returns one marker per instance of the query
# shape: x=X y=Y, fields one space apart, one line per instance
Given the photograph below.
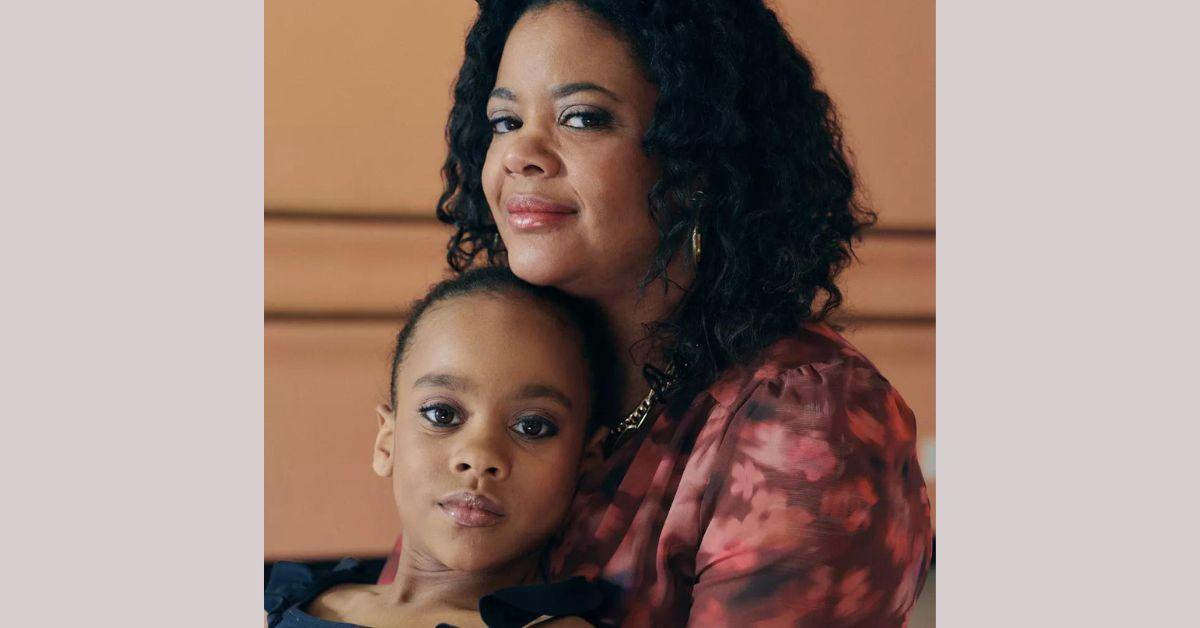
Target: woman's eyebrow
x=544 y=391
x=503 y=93
x=566 y=89
x=442 y=380
x=559 y=91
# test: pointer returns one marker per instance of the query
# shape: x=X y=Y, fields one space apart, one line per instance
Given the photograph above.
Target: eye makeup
x=586 y=117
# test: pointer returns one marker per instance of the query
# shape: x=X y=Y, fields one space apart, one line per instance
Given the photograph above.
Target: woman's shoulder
x=815 y=353
x=813 y=384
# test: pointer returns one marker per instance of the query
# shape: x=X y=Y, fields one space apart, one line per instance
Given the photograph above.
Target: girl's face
x=487 y=437
x=565 y=175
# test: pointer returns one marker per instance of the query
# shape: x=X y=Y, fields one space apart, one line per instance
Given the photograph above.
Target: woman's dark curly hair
x=740 y=119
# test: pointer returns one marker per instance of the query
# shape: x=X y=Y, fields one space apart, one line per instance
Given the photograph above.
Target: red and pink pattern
x=787 y=494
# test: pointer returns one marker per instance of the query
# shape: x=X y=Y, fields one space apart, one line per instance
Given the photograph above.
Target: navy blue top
x=293 y=586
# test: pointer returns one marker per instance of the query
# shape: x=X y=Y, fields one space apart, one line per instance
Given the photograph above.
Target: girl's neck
x=423 y=582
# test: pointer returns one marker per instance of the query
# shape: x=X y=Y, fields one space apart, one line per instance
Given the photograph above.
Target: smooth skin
x=492 y=398
x=569 y=110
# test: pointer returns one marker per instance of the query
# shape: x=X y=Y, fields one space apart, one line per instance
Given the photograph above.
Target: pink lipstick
x=472 y=510
x=529 y=213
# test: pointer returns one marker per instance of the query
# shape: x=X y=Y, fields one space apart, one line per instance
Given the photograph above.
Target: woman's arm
x=818 y=512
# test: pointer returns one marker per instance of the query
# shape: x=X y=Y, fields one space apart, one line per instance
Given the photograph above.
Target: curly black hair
x=585 y=317
x=740 y=118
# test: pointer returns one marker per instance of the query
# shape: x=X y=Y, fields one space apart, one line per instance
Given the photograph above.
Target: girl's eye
x=441 y=415
x=534 y=427
x=587 y=119
x=504 y=124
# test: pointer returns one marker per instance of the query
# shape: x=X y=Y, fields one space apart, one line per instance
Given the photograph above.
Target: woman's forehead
x=563 y=43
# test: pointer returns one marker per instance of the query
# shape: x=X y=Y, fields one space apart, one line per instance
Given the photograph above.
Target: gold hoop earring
x=697 y=202
x=696 y=244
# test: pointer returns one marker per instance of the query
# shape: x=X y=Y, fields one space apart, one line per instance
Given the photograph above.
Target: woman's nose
x=529 y=155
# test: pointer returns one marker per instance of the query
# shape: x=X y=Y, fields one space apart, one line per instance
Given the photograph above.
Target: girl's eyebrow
x=544 y=391
x=443 y=380
x=559 y=91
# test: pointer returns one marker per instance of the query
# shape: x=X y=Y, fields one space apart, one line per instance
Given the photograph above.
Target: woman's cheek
x=491 y=178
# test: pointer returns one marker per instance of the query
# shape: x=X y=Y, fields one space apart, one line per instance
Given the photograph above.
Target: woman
x=674 y=162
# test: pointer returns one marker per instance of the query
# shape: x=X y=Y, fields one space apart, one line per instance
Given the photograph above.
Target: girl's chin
x=474 y=562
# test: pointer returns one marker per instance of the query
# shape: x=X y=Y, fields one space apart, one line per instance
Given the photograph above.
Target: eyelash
x=433 y=407
x=546 y=424
x=601 y=119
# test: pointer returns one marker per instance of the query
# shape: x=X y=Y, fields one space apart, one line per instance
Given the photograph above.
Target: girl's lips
x=472 y=510
x=526 y=213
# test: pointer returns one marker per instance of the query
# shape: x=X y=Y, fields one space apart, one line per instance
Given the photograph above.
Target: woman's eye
x=586 y=119
x=505 y=124
x=535 y=427
x=441 y=415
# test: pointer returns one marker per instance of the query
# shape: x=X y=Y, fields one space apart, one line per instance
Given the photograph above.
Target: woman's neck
x=629 y=314
x=423 y=582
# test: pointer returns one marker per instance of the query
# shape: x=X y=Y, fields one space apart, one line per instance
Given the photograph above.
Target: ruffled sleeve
x=293 y=585
x=288 y=585
x=817 y=509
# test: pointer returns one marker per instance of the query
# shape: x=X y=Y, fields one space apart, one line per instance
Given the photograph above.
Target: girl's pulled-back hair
x=740 y=119
x=596 y=344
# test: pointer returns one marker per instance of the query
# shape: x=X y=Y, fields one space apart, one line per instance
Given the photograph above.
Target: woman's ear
x=593 y=453
x=384 y=441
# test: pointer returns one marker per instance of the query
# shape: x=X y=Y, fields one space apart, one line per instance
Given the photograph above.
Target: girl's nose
x=481 y=457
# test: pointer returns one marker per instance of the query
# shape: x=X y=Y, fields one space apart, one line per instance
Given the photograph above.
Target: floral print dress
x=787 y=494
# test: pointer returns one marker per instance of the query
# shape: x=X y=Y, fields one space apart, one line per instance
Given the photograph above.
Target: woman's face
x=565 y=175
x=486 y=439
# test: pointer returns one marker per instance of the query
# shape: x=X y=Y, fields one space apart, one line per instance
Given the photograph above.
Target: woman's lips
x=527 y=213
x=472 y=510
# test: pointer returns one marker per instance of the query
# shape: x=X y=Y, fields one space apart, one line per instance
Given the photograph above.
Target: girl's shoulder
x=305 y=595
x=345 y=603
x=563 y=603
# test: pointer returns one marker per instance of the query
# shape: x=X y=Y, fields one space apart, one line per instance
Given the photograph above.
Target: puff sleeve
x=816 y=514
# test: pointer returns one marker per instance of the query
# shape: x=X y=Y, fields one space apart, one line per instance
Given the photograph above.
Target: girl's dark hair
x=739 y=118
x=595 y=338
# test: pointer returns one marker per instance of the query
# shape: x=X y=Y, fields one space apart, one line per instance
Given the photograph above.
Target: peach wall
x=356 y=98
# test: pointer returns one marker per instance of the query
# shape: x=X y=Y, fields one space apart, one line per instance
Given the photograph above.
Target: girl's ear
x=384 y=441
x=593 y=453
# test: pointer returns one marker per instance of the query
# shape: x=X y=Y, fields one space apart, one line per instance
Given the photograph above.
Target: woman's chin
x=541 y=268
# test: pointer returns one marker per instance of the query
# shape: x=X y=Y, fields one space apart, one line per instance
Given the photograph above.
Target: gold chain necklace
x=637 y=418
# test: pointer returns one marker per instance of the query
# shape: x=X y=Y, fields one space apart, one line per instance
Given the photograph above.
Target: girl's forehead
x=504 y=310
x=496 y=337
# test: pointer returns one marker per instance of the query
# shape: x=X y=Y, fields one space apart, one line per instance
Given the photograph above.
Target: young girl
x=498 y=393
